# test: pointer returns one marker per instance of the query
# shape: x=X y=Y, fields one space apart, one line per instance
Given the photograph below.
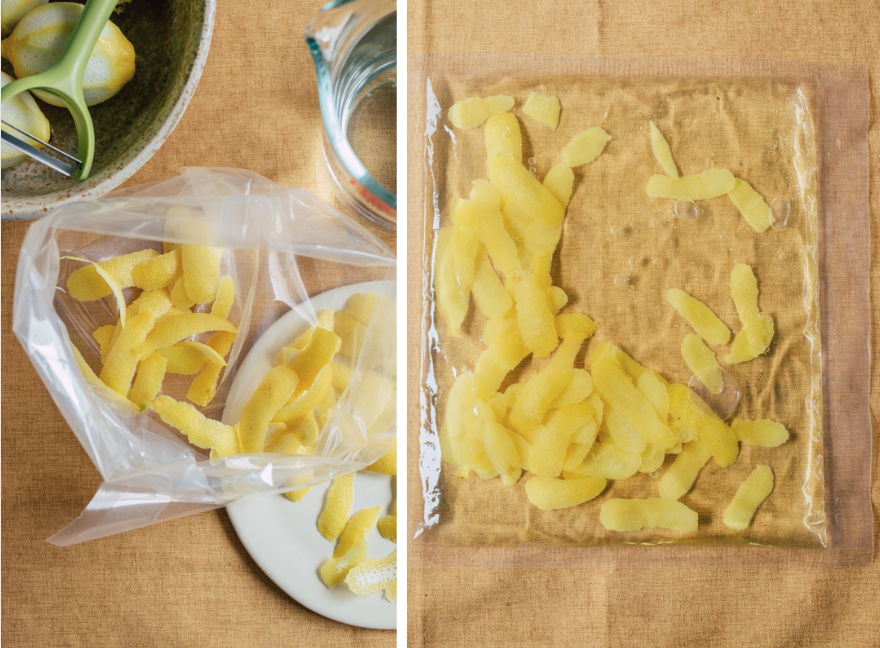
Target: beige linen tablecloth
x=188 y=582
x=646 y=607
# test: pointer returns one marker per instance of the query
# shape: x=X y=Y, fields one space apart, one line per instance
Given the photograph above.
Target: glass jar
x=354 y=47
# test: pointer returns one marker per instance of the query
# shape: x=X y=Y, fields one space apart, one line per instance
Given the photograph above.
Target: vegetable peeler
x=64 y=80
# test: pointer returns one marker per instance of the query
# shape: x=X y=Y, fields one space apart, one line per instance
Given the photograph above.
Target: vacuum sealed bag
x=207 y=338
x=645 y=316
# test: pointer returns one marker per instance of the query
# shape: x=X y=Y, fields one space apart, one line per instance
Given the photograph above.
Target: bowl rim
x=16 y=209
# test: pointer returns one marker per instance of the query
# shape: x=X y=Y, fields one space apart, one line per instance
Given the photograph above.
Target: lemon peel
x=335 y=570
x=157 y=272
x=543 y=108
x=549 y=494
x=634 y=514
x=700 y=359
x=201 y=431
x=224 y=298
x=700 y=186
x=183 y=360
x=662 y=152
x=308 y=399
x=179 y=297
x=180 y=326
x=764 y=432
x=681 y=475
x=387 y=526
x=318 y=352
x=22 y=112
x=208 y=352
x=357 y=526
x=102 y=278
x=373 y=574
x=104 y=336
x=362 y=305
x=705 y=323
x=386 y=464
x=151 y=373
x=334 y=517
x=122 y=360
x=269 y=396
x=749 y=496
x=585 y=147
x=204 y=386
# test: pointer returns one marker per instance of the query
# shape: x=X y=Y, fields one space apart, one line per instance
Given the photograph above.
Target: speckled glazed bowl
x=171 y=40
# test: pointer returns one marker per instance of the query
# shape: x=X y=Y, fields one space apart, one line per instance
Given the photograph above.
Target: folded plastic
x=150 y=473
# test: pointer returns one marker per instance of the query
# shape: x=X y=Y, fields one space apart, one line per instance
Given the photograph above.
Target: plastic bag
x=797 y=131
x=281 y=247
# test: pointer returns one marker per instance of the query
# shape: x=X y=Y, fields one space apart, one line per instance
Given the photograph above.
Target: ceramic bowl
x=171 y=40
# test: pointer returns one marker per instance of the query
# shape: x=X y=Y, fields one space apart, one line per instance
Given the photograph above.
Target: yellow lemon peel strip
x=681 y=475
x=151 y=373
x=269 y=396
x=335 y=570
x=308 y=399
x=765 y=432
x=751 y=205
x=550 y=494
x=181 y=326
x=123 y=358
x=358 y=525
x=701 y=361
x=157 y=272
x=749 y=496
x=701 y=186
x=373 y=574
x=88 y=284
x=452 y=301
x=585 y=147
x=388 y=527
x=662 y=152
x=204 y=386
x=316 y=355
x=224 y=298
x=635 y=514
x=542 y=108
x=333 y=519
x=386 y=464
x=114 y=286
x=705 y=323
x=201 y=431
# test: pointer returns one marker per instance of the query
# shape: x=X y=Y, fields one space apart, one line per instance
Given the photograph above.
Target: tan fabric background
x=657 y=607
x=188 y=582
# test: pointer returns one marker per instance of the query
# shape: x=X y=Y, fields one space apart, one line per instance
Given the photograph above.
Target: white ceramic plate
x=282 y=536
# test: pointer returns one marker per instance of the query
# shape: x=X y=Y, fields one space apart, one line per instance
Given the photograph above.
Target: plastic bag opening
x=281 y=248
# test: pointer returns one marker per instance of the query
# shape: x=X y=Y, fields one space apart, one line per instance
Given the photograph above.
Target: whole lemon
x=15 y=10
x=41 y=36
x=23 y=112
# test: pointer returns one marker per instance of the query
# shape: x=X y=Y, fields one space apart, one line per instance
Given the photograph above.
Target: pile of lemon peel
x=574 y=429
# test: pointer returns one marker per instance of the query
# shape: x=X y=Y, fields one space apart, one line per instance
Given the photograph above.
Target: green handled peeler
x=64 y=80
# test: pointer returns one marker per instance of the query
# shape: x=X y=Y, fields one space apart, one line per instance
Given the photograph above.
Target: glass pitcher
x=354 y=47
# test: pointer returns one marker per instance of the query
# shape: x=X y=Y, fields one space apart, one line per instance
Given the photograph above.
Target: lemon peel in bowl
x=40 y=38
x=22 y=112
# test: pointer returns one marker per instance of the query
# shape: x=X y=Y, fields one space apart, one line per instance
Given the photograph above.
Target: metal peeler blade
x=67 y=168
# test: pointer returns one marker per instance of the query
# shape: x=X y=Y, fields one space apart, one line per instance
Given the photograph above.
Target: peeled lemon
x=15 y=10
x=22 y=111
x=41 y=36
